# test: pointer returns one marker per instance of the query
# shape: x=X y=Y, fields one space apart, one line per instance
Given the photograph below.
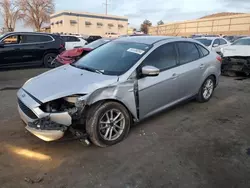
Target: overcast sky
x=154 y=10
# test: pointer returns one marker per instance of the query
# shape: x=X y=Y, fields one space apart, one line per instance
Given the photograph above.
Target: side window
x=216 y=41
x=187 y=52
x=164 y=57
x=65 y=38
x=222 y=42
x=203 y=51
x=13 y=39
x=73 y=39
x=34 y=38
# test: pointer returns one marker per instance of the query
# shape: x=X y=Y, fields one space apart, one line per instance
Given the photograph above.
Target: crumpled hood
x=236 y=50
x=65 y=81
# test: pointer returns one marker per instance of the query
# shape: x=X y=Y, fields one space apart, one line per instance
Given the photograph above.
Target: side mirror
x=150 y=71
x=215 y=45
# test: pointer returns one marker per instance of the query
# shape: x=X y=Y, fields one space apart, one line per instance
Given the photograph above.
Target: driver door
x=216 y=45
x=156 y=93
x=10 y=53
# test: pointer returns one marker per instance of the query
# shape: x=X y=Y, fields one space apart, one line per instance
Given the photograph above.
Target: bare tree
x=36 y=12
x=10 y=13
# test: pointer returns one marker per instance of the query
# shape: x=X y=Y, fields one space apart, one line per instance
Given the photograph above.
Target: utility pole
x=106 y=6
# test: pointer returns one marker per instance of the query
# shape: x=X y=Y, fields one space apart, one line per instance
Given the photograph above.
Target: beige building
x=88 y=23
x=222 y=23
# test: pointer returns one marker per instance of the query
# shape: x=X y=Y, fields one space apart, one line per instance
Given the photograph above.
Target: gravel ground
x=191 y=145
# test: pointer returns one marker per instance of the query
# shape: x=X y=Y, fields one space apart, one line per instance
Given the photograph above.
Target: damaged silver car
x=100 y=96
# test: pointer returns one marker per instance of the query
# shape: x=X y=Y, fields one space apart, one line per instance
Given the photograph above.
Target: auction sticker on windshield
x=137 y=51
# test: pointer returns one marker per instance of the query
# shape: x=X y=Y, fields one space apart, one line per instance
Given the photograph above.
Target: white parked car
x=236 y=57
x=73 y=41
x=214 y=43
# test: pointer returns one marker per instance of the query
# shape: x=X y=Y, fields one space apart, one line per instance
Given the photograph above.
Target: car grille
x=26 y=110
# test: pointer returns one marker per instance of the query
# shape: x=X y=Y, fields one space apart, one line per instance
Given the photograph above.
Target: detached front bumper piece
x=46 y=129
x=235 y=64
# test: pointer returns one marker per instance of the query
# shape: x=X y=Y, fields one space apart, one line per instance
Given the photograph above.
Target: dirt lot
x=192 y=145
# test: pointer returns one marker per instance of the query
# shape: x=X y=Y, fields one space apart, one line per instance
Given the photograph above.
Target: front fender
x=121 y=92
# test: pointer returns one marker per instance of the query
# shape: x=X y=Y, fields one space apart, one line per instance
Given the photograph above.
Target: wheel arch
x=102 y=101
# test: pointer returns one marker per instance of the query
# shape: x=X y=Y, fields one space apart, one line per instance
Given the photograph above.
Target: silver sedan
x=117 y=84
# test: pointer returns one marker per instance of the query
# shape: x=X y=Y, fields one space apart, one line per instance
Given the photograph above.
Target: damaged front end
x=49 y=121
x=235 y=65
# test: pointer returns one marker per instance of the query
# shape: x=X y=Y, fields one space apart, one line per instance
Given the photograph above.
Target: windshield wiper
x=91 y=69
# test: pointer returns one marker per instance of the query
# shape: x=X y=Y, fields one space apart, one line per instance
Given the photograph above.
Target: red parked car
x=70 y=56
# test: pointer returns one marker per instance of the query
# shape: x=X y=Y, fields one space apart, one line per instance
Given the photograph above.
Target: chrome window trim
x=53 y=39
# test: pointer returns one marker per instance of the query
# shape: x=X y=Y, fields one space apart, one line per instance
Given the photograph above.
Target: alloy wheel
x=111 y=125
x=208 y=89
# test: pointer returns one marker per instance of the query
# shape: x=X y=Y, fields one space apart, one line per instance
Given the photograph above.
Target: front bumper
x=30 y=112
x=234 y=64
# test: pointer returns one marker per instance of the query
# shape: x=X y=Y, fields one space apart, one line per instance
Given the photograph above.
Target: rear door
x=190 y=70
x=157 y=92
x=35 y=46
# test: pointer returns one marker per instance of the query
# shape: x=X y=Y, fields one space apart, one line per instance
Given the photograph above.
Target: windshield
x=1 y=36
x=242 y=42
x=97 y=43
x=114 y=58
x=206 y=42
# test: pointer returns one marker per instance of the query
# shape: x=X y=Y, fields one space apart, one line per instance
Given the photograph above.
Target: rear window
x=205 y=42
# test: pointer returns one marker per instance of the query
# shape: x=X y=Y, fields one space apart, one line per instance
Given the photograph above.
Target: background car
x=20 y=49
x=93 y=38
x=124 y=81
x=213 y=43
x=70 y=56
x=236 y=57
x=73 y=41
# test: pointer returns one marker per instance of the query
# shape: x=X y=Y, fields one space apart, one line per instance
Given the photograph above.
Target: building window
x=60 y=22
x=111 y=25
x=87 y=23
x=120 y=26
x=72 y=22
x=99 y=24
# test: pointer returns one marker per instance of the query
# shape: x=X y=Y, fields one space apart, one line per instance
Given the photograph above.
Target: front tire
x=108 y=123
x=206 y=90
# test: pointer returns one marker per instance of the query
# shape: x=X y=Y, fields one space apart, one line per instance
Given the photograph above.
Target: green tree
x=160 y=22
x=145 y=25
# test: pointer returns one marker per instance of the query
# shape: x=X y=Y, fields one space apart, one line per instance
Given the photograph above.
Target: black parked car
x=92 y=38
x=20 y=49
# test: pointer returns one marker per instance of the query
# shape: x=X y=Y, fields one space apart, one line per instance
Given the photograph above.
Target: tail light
x=219 y=58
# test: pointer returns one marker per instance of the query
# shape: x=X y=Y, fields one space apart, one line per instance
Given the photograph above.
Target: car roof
x=31 y=33
x=145 y=39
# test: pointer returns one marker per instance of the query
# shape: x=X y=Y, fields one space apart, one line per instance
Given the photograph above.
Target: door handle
x=202 y=66
x=174 y=76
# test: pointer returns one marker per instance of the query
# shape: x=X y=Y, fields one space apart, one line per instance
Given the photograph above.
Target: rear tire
x=48 y=60
x=105 y=129
x=206 y=90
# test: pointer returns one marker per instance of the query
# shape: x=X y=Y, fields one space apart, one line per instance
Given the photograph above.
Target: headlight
x=78 y=100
